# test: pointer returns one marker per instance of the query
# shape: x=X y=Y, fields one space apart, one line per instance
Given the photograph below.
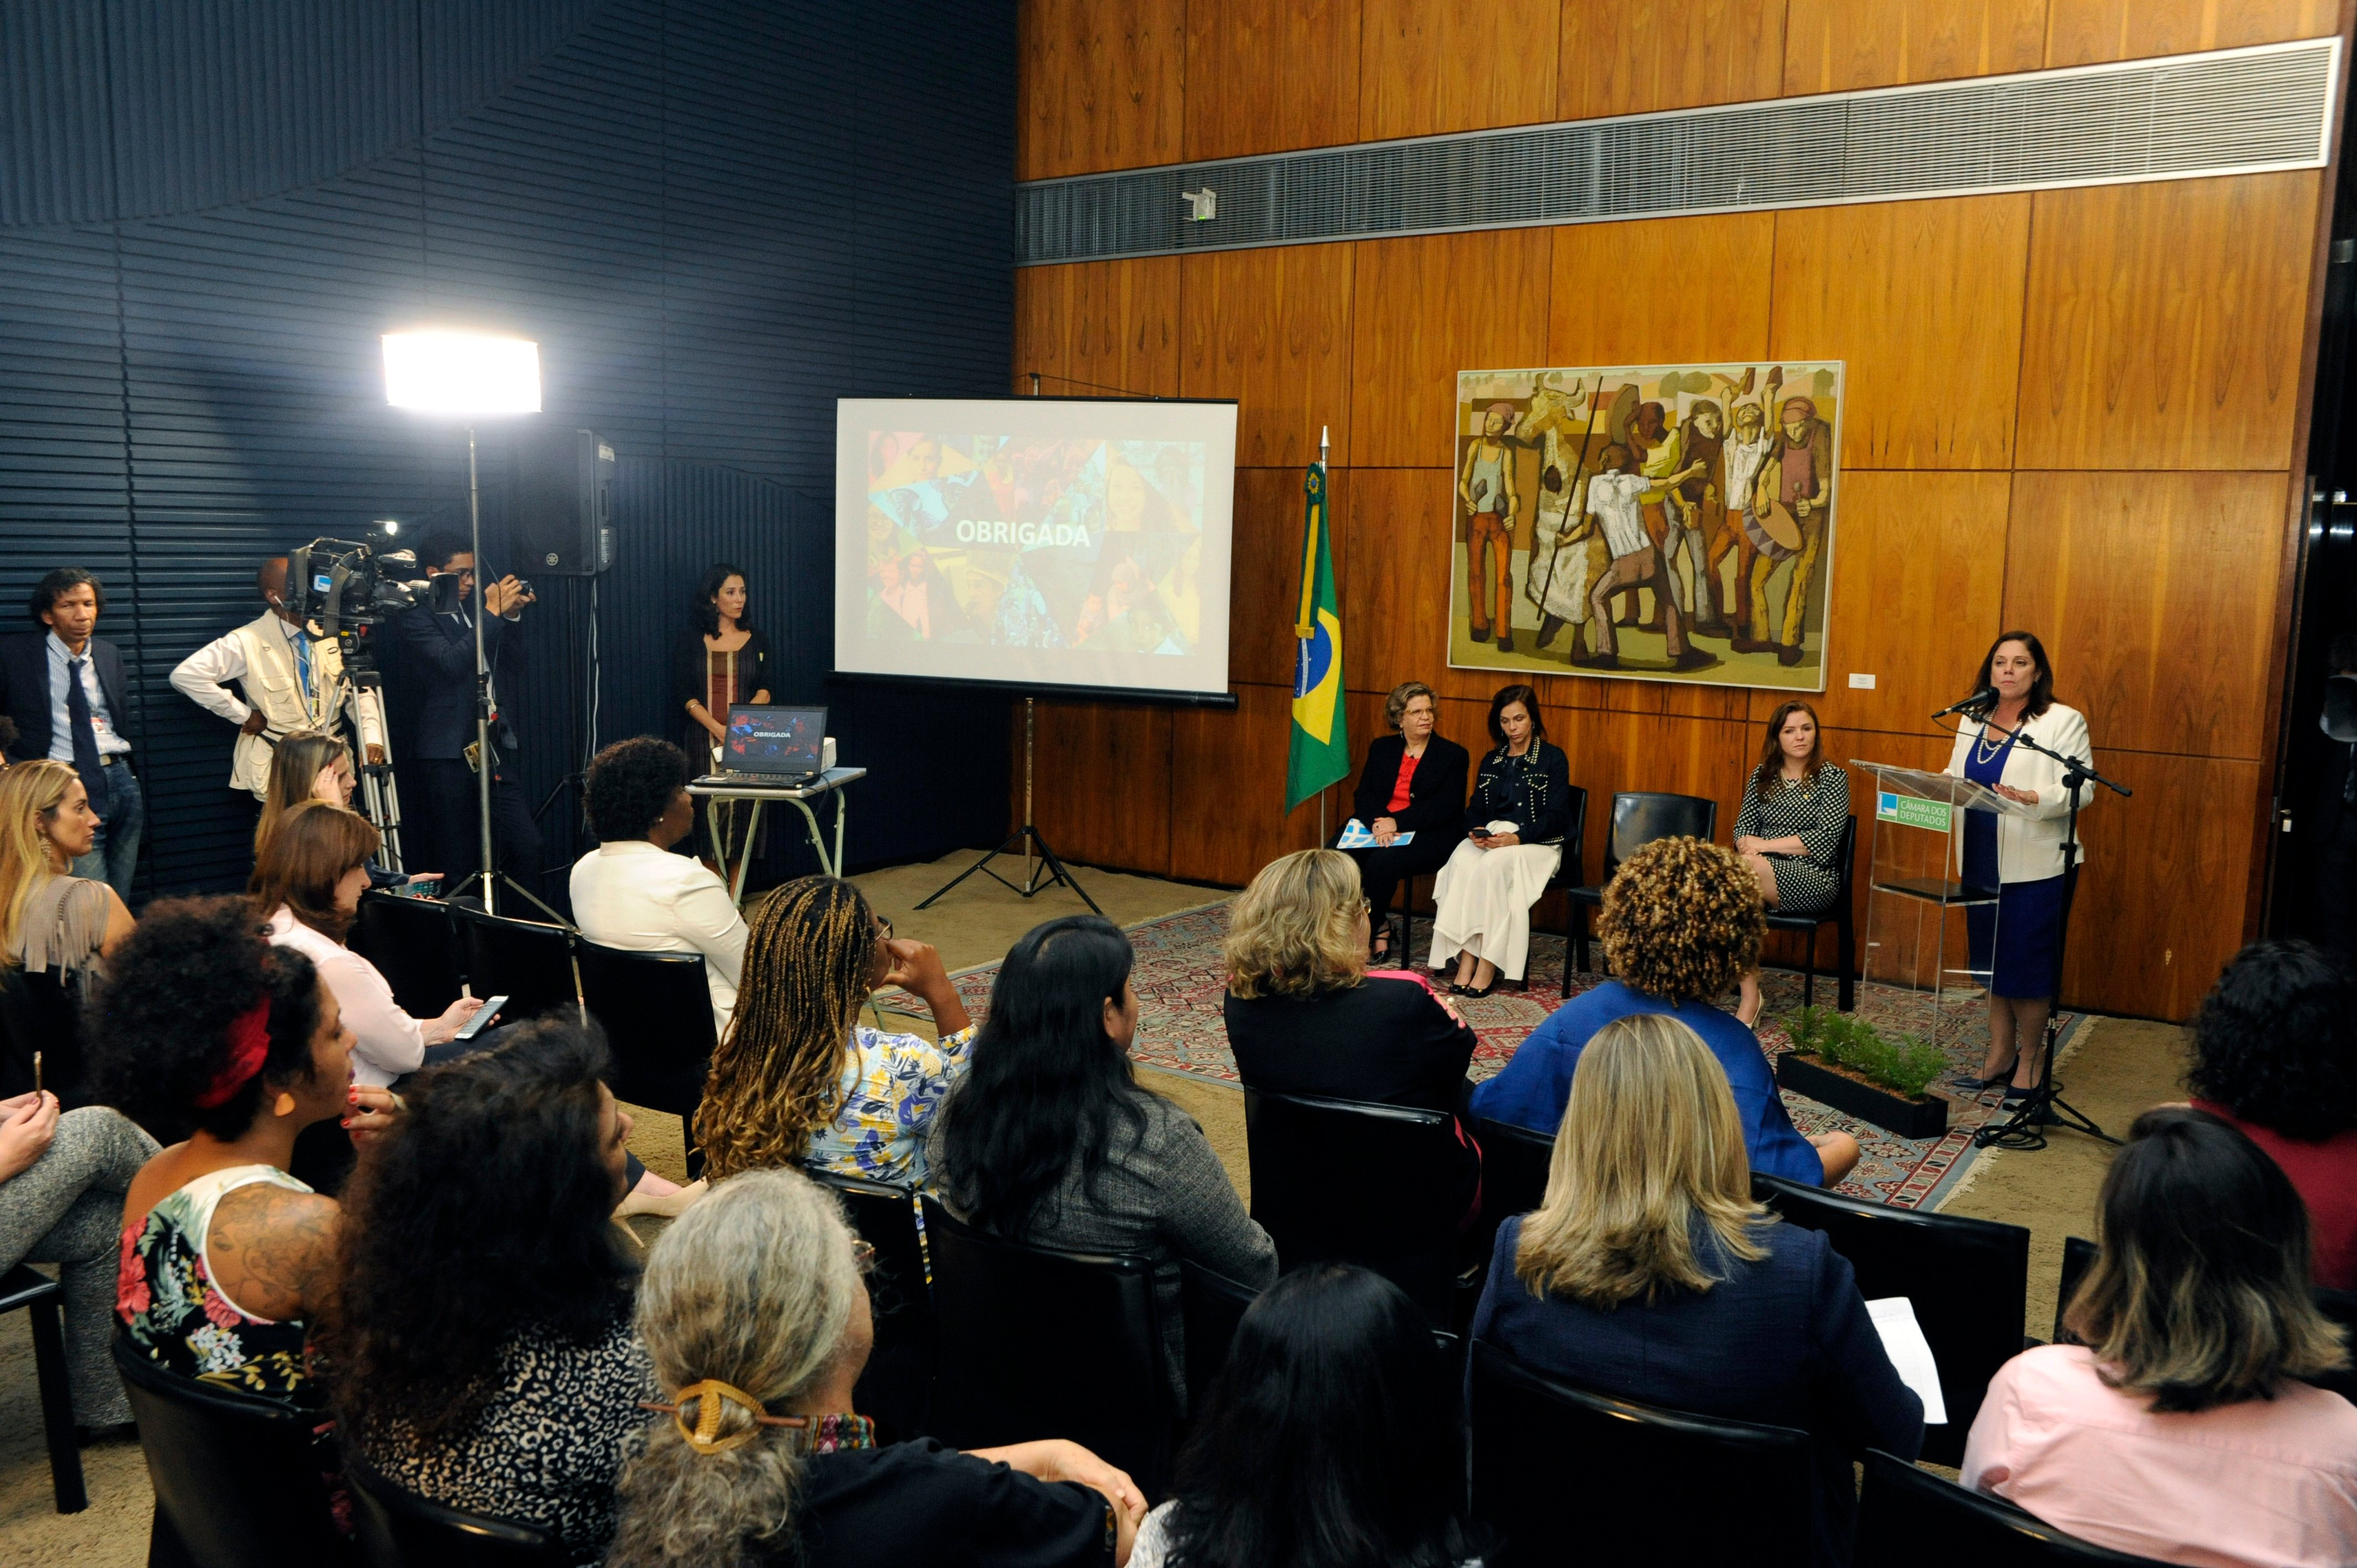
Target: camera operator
x=290 y=681
x=442 y=648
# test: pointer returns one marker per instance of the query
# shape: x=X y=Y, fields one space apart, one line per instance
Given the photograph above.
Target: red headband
x=249 y=1043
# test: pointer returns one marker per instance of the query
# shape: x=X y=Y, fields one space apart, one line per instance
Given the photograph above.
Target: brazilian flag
x=1321 y=752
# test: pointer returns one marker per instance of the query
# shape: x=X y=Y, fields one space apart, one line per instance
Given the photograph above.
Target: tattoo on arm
x=275 y=1251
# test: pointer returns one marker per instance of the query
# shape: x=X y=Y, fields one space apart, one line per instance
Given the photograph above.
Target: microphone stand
x=2044 y=1105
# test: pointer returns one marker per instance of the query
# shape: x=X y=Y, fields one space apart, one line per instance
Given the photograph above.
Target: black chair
x=896 y=1390
x=40 y=1296
x=398 y=1529
x=1514 y=1163
x=1359 y=1183
x=529 y=963
x=1911 y=1514
x=237 y=1477
x=1843 y=918
x=2341 y=1306
x=1566 y=876
x=656 y=1010
x=1968 y=1280
x=1639 y=817
x=1649 y=1471
x=1212 y=1305
x=1035 y=1342
x=415 y=946
x=2077 y=1257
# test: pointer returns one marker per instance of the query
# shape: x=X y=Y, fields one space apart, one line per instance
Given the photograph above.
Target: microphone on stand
x=1984 y=699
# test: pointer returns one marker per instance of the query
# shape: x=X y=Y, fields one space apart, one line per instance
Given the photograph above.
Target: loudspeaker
x=564 y=517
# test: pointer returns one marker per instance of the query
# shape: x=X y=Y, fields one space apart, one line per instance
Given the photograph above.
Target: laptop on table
x=768 y=745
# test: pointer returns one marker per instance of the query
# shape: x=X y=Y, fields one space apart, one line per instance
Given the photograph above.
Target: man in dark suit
x=441 y=649
x=64 y=689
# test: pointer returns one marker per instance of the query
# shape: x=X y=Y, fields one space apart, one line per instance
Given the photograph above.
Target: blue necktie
x=302 y=669
x=85 y=736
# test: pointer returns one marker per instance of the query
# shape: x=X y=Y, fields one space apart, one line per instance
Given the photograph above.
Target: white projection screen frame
x=1078 y=544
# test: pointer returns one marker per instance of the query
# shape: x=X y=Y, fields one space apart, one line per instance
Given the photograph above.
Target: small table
x=799 y=796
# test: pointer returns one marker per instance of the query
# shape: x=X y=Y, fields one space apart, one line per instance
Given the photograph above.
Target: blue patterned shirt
x=891 y=1086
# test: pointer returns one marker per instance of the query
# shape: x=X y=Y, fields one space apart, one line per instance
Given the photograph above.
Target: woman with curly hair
x=481 y=1345
x=2275 y=1053
x=798 y=1078
x=757 y=1321
x=226 y=1260
x=1648 y=1273
x=2179 y=1427
x=1681 y=926
x=630 y=892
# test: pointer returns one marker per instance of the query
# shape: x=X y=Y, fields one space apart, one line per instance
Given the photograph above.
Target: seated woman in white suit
x=1513 y=841
x=2015 y=940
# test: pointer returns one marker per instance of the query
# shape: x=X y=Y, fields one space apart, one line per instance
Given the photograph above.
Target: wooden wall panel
x=1266 y=594
x=2158 y=909
x=2153 y=593
x=1631 y=59
x=1918 y=590
x=1840 y=46
x=1427 y=70
x=1398 y=534
x=1425 y=309
x=1092 y=326
x=2165 y=323
x=1924 y=300
x=1661 y=291
x=1100 y=85
x=2084 y=32
x=1265 y=75
x=1272 y=330
x=1228 y=778
x=1103 y=787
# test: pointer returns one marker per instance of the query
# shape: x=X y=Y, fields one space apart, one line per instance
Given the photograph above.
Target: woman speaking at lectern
x=2015 y=940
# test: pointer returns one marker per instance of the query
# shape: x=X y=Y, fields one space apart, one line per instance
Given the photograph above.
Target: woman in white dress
x=1513 y=841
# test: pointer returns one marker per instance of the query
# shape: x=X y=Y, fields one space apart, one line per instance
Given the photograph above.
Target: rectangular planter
x=1925 y=1118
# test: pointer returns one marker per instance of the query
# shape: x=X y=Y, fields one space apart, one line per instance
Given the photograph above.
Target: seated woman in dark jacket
x=1413 y=783
x=1511 y=843
x=1650 y=1274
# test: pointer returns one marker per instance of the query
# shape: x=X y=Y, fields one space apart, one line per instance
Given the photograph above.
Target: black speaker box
x=564 y=517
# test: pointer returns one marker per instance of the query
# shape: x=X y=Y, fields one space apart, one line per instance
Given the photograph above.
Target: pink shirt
x=2266 y=1483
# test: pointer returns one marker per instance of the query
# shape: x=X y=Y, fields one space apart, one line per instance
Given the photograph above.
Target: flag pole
x=1323 y=432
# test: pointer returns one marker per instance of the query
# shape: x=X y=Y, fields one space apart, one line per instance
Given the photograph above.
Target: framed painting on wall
x=1656 y=522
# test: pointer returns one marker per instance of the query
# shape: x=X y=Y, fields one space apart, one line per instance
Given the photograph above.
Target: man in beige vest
x=289 y=681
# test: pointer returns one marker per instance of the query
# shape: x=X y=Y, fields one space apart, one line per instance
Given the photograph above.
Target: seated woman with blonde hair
x=1650 y=1274
x=49 y=920
x=2179 y=1428
x=311 y=764
x=1306 y=1016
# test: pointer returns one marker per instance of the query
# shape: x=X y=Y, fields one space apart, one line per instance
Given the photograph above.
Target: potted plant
x=1843 y=1061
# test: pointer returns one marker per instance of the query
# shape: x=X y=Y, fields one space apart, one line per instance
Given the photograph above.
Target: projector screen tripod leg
x=1028 y=835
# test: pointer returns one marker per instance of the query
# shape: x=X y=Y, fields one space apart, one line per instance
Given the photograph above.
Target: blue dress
x=2013 y=939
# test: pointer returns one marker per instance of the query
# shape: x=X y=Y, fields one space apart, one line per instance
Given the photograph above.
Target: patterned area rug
x=1181 y=980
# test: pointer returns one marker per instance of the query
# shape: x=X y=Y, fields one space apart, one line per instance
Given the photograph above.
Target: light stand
x=1028 y=835
x=2044 y=1105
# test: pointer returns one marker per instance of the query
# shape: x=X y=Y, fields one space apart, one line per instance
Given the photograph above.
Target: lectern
x=1916 y=942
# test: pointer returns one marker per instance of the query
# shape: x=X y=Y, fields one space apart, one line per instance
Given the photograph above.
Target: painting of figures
x=1659 y=522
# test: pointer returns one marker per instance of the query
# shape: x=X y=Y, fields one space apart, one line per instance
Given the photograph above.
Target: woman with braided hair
x=798 y=1078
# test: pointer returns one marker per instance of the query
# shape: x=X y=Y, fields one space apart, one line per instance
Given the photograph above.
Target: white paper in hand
x=1356 y=835
x=1910 y=1353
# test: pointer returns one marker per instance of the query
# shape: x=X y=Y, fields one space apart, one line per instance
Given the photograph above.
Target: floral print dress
x=172 y=1309
x=892 y=1086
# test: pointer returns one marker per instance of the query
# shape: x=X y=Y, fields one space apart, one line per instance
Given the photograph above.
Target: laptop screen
x=787 y=742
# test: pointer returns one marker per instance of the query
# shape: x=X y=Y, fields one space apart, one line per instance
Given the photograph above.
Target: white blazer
x=2029 y=848
x=628 y=894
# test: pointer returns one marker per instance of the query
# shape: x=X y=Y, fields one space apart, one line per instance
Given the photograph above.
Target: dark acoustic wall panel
x=715 y=215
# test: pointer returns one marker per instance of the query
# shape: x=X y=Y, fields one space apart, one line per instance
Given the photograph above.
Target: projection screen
x=1035 y=542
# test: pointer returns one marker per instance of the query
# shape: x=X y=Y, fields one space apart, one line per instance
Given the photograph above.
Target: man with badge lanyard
x=290 y=681
x=64 y=689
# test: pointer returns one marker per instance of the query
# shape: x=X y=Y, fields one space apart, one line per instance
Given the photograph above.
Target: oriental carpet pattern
x=1181 y=980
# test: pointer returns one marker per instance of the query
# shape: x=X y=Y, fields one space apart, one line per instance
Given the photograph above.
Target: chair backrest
x=1568 y=870
x=1213 y=1305
x=529 y=963
x=415 y=946
x=398 y=1529
x=1968 y=1280
x=656 y=1010
x=1934 y=1522
x=896 y=1388
x=236 y=1476
x=1641 y=816
x=1036 y=1342
x=1646 y=1468
x=1358 y=1183
x=1514 y=1163
x=2077 y=1257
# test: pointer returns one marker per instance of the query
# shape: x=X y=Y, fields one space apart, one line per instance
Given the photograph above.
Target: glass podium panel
x=1918 y=945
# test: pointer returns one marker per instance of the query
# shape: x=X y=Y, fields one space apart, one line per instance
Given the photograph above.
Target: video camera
x=342 y=583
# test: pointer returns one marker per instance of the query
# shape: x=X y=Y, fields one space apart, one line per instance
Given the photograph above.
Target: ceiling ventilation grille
x=2230 y=111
